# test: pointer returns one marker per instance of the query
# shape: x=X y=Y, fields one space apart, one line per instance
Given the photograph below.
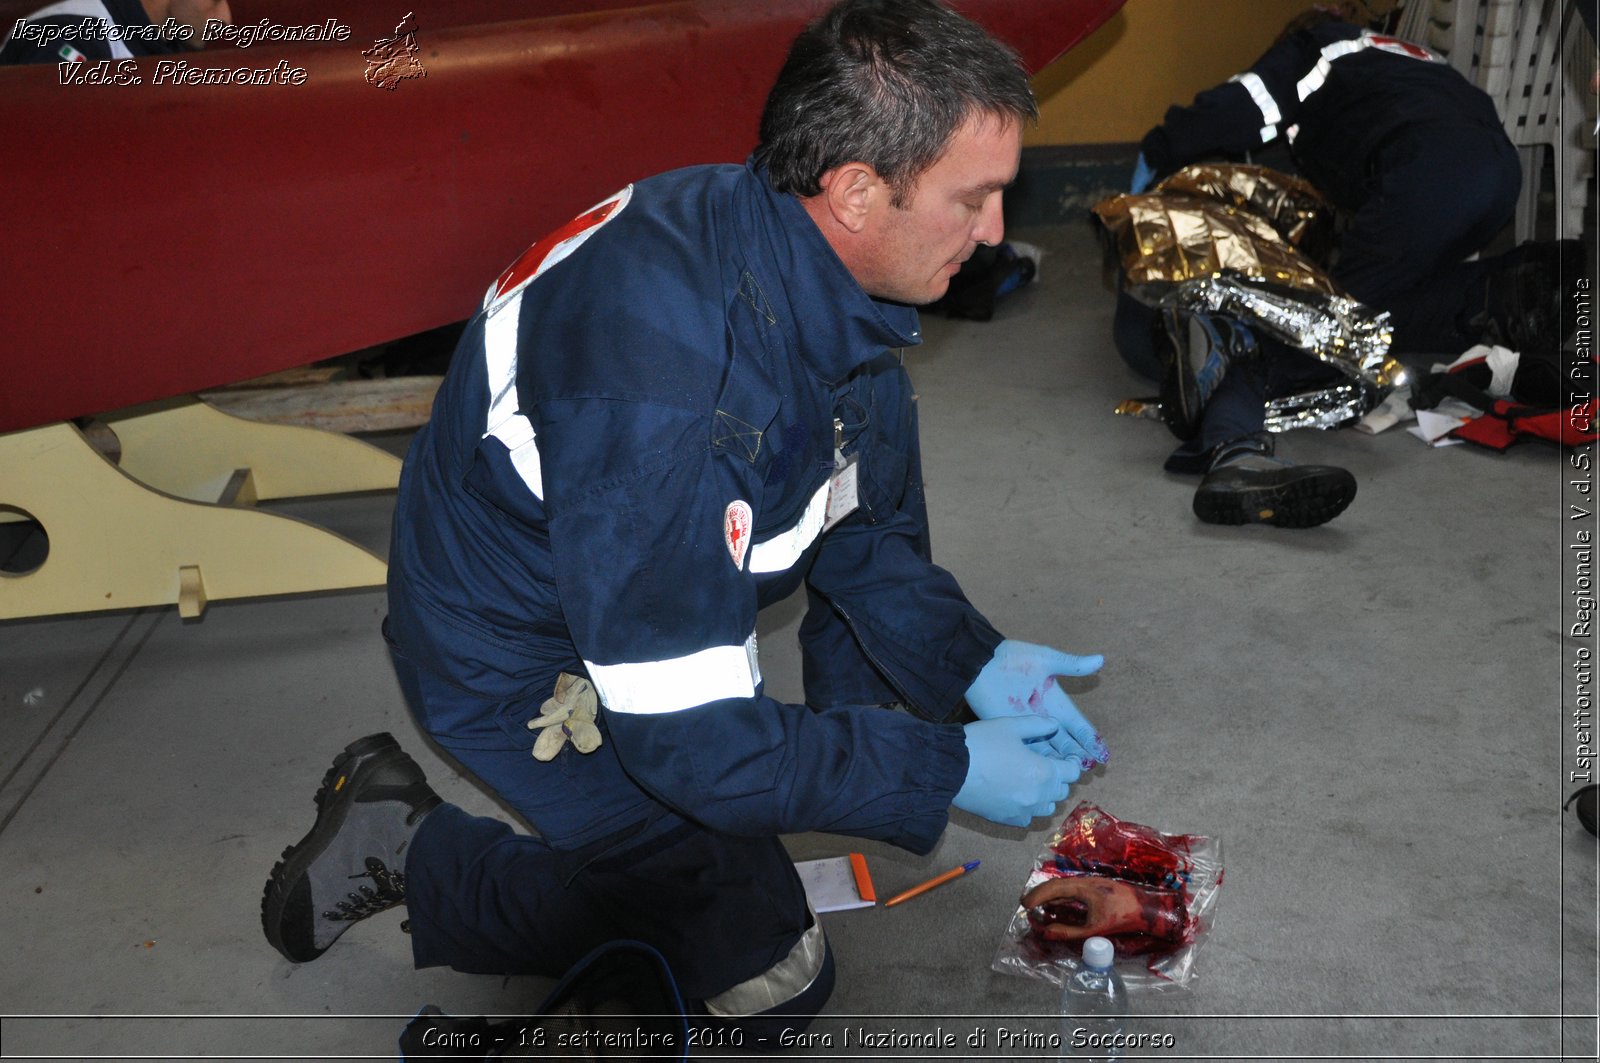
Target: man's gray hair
x=885 y=82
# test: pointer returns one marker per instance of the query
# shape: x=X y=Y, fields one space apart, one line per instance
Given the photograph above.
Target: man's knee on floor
x=756 y=1015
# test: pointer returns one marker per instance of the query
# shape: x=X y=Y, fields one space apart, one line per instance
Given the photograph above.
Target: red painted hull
x=167 y=238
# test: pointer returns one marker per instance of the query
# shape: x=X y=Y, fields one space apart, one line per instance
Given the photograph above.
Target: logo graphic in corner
x=736 y=530
x=393 y=59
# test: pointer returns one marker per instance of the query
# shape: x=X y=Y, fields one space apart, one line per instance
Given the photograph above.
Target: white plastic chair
x=1550 y=108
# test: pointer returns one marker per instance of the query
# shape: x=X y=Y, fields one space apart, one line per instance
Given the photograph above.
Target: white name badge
x=842 y=497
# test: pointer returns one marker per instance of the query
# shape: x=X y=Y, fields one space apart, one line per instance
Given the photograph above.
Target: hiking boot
x=368 y=807
x=1247 y=484
x=1197 y=350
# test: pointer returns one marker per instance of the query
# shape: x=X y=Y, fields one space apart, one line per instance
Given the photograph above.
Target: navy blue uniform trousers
x=485 y=899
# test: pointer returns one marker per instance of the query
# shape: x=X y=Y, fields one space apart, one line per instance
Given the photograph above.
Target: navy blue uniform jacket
x=629 y=457
x=1337 y=92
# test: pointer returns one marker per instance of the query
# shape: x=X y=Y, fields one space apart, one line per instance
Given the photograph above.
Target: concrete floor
x=1372 y=716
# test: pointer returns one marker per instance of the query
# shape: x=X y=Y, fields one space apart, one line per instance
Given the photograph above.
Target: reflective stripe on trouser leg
x=781 y=982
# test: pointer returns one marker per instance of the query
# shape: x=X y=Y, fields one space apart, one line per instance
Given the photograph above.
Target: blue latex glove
x=1008 y=780
x=1142 y=176
x=1020 y=680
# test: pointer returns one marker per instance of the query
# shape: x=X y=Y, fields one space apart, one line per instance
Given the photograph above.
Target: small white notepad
x=837 y=883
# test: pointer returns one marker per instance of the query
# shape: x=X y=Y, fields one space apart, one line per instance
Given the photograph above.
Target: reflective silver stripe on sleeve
x=1270 y=115
x=781 y=982
x=502 y=311
x=680 y=683
x=1319 y=73
x=504 y=422
x=781 y=551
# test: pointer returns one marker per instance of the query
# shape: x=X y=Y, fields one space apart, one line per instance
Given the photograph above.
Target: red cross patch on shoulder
x=555 y=246
x=1397 y=46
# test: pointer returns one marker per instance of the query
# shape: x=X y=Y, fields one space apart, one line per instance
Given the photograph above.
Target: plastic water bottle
x=1092 y=1005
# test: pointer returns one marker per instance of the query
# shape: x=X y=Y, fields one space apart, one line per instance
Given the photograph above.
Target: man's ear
x=851 y=192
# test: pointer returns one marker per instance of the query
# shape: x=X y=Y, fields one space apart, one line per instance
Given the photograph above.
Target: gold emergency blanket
x=1208 y=218
x=1241 y=241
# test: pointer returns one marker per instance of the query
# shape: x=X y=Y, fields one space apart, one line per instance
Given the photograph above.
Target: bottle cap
x=1098 y=953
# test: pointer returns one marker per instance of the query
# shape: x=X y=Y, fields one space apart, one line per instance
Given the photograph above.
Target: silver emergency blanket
x=1337 y=330
x=1328 y=408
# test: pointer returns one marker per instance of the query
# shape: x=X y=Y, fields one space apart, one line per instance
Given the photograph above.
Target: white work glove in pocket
x=568 y=715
